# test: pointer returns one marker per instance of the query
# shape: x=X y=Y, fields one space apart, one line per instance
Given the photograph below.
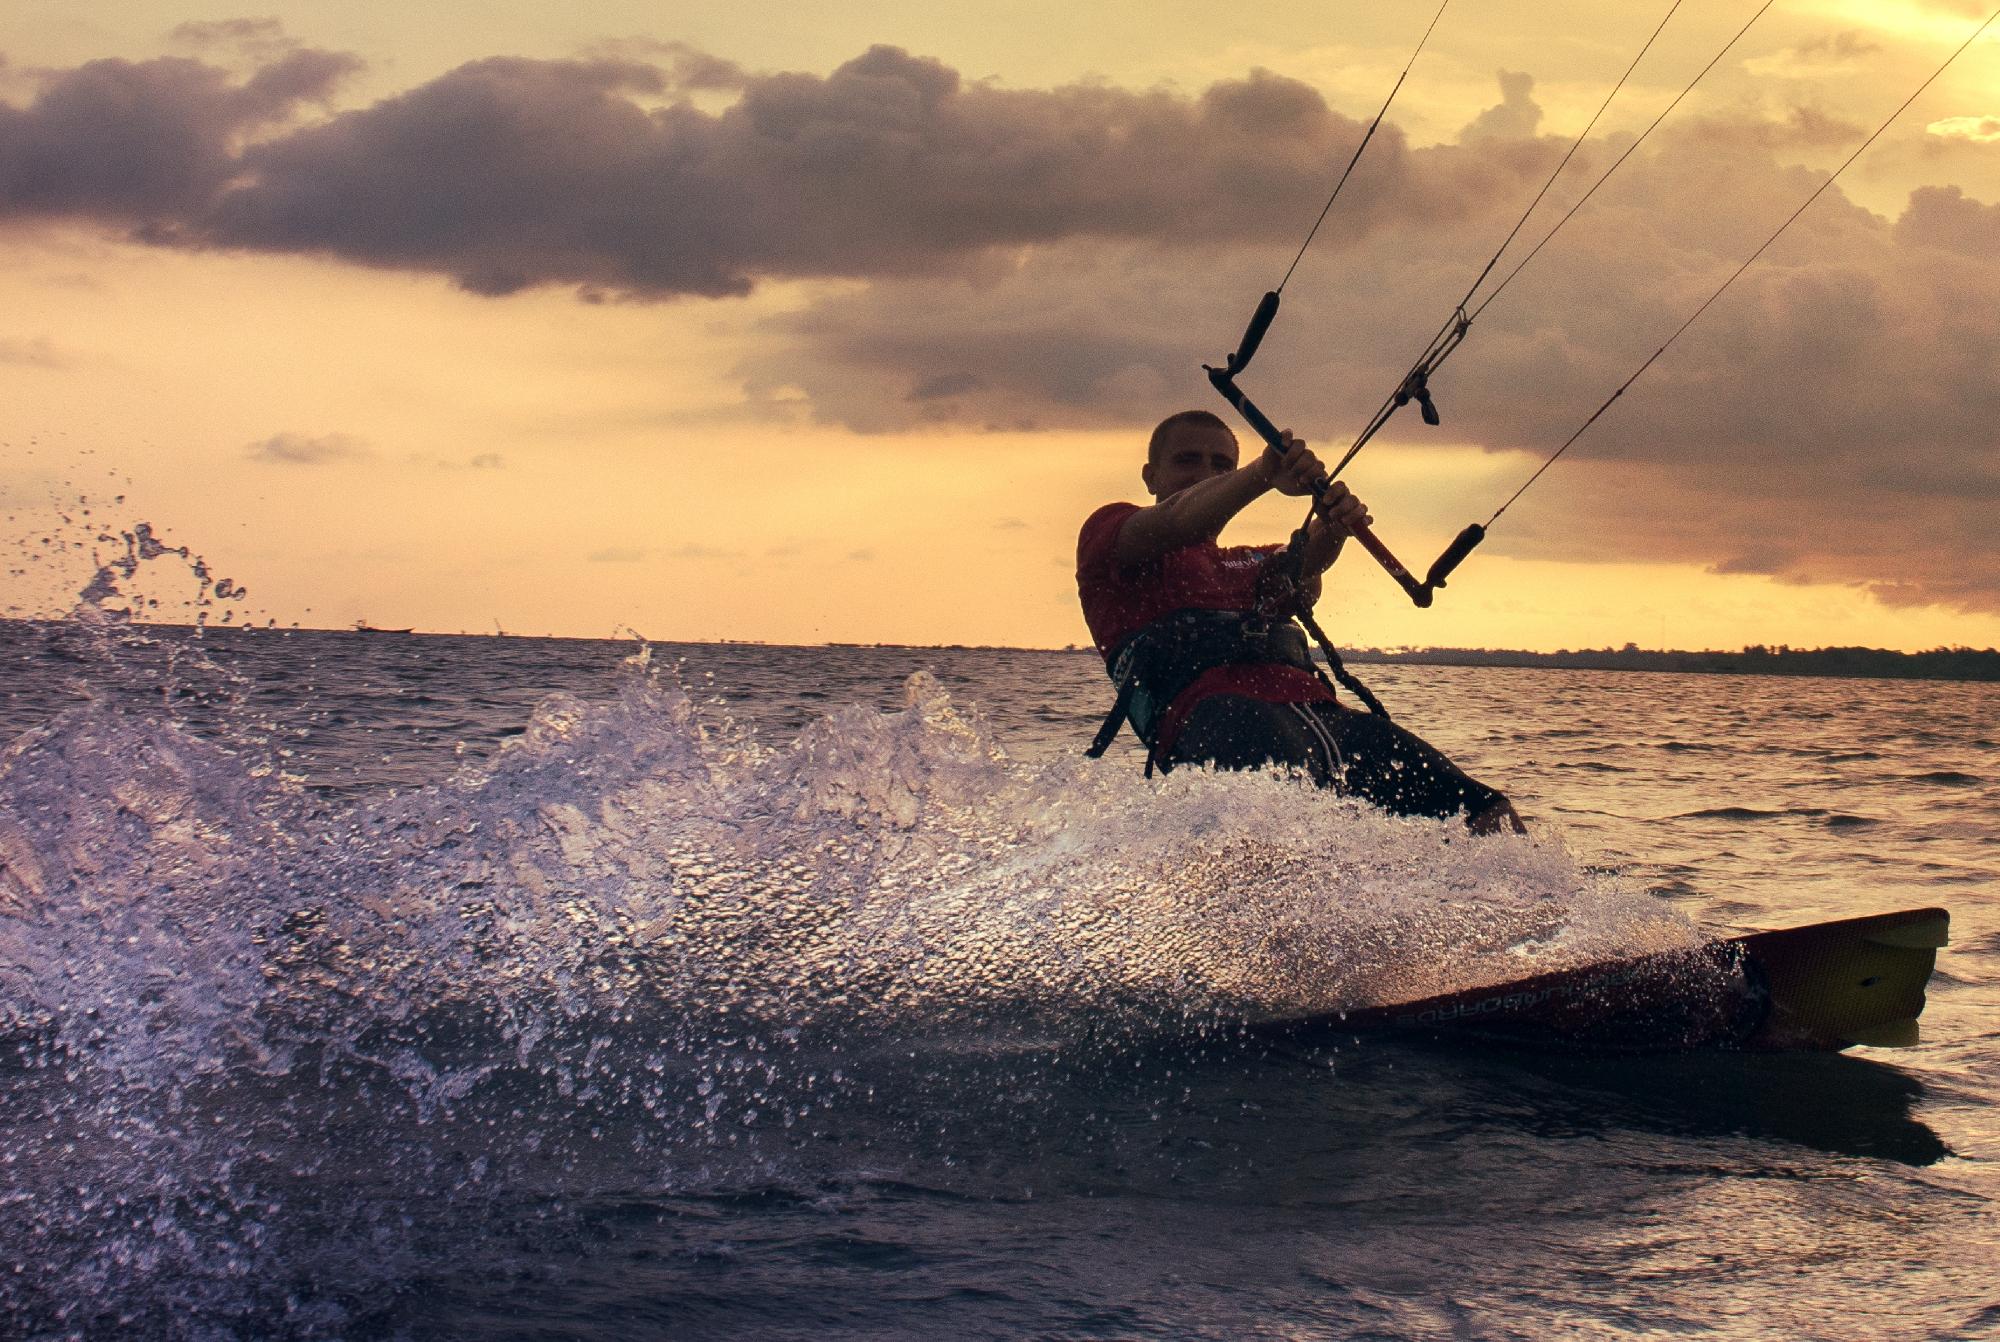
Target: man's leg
x=1357 y=754
x=1401 y=772
x=1227 y=731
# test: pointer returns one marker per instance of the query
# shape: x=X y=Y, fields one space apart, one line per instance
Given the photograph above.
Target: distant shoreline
x=1978 y=664
x=1959 y=664
x=1869 y=663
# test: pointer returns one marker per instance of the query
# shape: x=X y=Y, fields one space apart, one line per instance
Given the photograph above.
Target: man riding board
x=1211 y=667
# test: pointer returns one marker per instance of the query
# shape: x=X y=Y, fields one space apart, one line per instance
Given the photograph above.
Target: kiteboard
x=1824 y=987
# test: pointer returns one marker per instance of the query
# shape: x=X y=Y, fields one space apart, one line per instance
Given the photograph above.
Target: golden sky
x=831 y=323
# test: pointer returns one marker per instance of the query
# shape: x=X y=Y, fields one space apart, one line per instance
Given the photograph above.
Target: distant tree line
x=1757 y=660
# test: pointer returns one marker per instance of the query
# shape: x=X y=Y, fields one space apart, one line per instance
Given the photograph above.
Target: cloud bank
x=508 y=173
x=1064 y=257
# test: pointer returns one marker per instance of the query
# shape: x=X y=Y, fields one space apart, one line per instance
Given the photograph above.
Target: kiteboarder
x=1199 y=637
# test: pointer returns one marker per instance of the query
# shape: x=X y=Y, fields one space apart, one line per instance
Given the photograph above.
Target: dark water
x=385 y=986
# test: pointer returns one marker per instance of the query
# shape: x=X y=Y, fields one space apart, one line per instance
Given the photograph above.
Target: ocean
x=368 y=985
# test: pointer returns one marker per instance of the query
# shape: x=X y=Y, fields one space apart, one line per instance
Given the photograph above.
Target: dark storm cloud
x=148 y=142
x=505 y=174
x=511 y=173
x=603 y=174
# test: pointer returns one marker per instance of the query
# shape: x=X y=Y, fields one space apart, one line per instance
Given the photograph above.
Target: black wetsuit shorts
x=1355 y=754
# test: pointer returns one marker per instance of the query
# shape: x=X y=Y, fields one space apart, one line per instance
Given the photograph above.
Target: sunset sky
x=815 y=323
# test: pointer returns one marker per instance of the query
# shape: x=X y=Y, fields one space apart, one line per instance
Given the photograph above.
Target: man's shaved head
x=1191 y=418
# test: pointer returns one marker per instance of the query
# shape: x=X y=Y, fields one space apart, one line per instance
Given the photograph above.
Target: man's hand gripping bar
x=1223 y=379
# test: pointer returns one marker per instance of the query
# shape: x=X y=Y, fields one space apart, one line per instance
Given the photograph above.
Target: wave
x=1751 y=813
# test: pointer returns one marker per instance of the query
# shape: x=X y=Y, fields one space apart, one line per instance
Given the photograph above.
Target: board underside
x=1824 y=987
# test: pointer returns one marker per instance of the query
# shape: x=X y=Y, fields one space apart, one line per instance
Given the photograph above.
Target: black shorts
x=1355 y=754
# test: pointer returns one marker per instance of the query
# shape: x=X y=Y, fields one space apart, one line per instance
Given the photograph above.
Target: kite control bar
x=1223 y=379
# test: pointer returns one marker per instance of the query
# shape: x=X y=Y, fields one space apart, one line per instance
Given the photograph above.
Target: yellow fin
x=1927 y=935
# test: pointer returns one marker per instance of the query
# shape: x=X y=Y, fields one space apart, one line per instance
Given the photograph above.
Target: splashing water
x=251 y=1032
x=636 y=920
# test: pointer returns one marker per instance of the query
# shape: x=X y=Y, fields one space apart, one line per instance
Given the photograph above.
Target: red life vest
x=1122 y=605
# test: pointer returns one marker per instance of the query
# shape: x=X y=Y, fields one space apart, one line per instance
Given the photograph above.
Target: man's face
x=1191 y=454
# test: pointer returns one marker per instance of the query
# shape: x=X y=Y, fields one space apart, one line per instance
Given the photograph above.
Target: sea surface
x=369 y=985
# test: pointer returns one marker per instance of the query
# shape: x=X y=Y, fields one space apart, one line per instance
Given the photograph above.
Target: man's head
x=1186 y=449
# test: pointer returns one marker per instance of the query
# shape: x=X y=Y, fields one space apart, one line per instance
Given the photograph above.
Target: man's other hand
x=1340 y=510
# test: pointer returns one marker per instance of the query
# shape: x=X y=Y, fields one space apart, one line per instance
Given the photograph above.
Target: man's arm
x=1201 y=510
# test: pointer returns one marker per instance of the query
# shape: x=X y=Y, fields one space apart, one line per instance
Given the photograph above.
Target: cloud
x=1978 y=129
x=687 y=67
x=298 y=449
x=36 y=353
x=483 y=461
x=1759 y=558
x=1943 y=216
x=260 y=37
x=617 y=554
x=1843 y=53
x=1515 y=118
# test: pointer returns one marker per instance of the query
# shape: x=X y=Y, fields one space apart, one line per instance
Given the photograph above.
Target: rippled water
x=380 y=986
